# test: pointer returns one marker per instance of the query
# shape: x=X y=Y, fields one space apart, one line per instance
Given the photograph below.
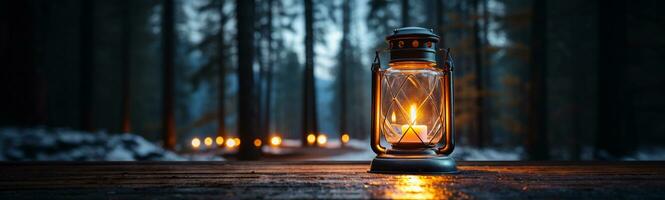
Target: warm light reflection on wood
x=420 y=187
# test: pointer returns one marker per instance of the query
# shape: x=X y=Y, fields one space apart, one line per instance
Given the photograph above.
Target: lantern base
x=389 y=164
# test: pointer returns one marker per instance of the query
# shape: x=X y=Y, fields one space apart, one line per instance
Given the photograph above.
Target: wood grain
x=342 y=180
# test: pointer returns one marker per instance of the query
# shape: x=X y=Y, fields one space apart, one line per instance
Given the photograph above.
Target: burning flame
x=412 y=113
x=276 y=140
x=196 y=142
x=393 y=117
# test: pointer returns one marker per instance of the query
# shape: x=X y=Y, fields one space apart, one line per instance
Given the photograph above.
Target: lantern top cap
x=412 y=44
x=413 y=32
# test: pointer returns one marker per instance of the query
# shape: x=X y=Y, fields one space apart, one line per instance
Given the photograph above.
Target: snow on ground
x=655 y=153
x=460 y=153
x=494 y=154
x=38 y=144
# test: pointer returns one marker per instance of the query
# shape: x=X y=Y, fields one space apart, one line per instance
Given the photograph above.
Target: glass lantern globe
x=411 y=104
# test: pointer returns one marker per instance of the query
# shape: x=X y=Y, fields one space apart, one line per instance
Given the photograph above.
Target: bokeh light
x=345 y=138
x=311 y=138
x=196 y=142
x=207 y=141
x=257 y=142
x=275 y=140
x=322 y=139
x=231 y=143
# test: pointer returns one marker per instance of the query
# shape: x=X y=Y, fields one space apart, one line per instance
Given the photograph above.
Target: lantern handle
x=375 y=132
x=449 y=98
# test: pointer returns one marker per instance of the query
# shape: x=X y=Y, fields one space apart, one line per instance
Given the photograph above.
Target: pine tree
x=247 y=106
x=168 y=96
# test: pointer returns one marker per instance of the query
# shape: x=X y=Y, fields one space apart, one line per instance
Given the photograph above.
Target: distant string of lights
x=273 y=141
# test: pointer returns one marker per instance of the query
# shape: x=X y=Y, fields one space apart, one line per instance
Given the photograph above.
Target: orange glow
x=237 y=141
x=207 y=141
x=412 y=65
x=230 y=143
x=393 y=117
x=196 y=143
x=421 y=187
x=257 y=142
x=219 y=140
x=345 y=138
x=322 y=139
x=275 y=140
x=311 y=138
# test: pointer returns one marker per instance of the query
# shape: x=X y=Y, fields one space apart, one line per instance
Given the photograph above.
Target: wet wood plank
x=343 y=180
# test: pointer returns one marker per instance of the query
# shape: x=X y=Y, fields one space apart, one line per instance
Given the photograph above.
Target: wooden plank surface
x=343 y=180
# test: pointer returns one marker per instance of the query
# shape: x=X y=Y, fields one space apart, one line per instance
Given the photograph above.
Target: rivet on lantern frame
x=413 y=80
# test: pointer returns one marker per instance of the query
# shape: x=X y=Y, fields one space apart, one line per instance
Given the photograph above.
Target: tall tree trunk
x=168 y=97
x=478 y=59
x=21 y=86
x=262 y=57
x=612 y=131
x=576 y=118
x=537 y=145
x=247 y=115
x=405 y=13
x=221 y=49
x=268 y=64
x=486 y=24
x=440 y=27
x=309 y=95
x=342 y=77
x=260 y=60
x=440 y=23
x=86 y=66
x=126 y=72
x=486 y=78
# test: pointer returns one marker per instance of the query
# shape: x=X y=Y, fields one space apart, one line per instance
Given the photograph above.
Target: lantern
x=412 y=106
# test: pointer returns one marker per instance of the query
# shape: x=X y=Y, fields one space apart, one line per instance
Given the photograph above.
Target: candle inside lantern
x=414 y=133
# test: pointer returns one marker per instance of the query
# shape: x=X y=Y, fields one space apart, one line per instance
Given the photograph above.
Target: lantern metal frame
x=414 y=160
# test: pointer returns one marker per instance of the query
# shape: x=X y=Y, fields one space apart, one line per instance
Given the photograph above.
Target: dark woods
x=557 y=80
